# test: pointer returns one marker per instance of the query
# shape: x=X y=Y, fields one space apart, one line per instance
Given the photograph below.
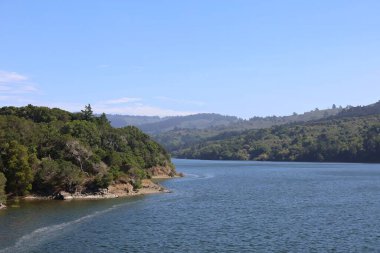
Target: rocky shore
x=113 y=191
x=162 y=172
x=148 y=186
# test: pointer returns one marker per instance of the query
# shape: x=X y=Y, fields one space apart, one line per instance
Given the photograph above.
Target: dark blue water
x=217 y=207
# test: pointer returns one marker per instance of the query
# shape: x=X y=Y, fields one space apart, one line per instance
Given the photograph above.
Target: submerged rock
x=62 y=195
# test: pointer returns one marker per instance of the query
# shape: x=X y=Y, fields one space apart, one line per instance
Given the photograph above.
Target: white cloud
x=68 y=106
x=11 y=77
x=15 y=83
x=134 y=106
x=181 y=101
x=129 y=109
x=122 y=100
x=139 y=109
x=16 y=88
x=14 y=100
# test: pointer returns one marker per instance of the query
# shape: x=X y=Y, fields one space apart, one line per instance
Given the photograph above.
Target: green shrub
x=103 y=181
x=3 y=196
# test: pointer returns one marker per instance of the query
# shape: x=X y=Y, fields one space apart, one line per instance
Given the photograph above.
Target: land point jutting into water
x=51 y=153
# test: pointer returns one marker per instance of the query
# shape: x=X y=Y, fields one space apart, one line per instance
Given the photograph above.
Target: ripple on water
x=241 y=207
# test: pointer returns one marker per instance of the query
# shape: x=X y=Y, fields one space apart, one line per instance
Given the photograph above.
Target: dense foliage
x=180 y=138
x=213 y=121
x=196 y=121
x=118 y=120
x=339 y=139
x=359 y=111
x=3 y=181
x=46 y=150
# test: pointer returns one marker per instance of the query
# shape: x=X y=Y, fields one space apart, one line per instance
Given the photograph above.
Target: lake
x=220 y=206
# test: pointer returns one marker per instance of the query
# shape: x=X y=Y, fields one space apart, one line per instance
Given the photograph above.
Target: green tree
x=17 y=169
x=103 y=181
x=102 y=120
x=3 y=196
x=55 y=176
x=86 y=131
x=87 y=113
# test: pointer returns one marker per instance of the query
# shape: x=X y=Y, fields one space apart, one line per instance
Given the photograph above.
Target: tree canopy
x=3 y=181
x=45 y=150
x=341 y=139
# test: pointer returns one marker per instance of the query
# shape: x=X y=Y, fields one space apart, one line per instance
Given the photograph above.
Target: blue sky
x=243 y=58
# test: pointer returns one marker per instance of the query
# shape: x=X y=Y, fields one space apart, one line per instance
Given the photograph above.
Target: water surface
x=218 y=207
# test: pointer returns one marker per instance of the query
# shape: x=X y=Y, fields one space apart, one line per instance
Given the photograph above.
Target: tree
x=85 y=131
x=17 y=169
x=334 y=106
x=87 y=113
x=103 y=119
x=58 y=175
x=3 y=196
x=78 y=152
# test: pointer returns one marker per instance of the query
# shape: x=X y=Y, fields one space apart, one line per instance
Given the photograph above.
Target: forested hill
x=118 y=120
x=180 y=138
x=155 y=125
x=197 y=121
x=46 y=150
x=338 y=139
x=201 y=121
x=358 y=111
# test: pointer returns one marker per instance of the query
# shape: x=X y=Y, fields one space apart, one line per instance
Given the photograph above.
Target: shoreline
x=113 y=191
x=160 y=177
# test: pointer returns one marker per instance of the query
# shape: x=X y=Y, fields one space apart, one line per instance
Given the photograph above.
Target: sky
x=157 y=57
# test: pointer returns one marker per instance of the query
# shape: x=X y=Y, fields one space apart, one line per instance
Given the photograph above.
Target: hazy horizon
x=192 y=114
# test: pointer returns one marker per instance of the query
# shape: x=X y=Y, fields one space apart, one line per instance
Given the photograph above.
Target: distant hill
x=335 y=135
x=155 y=124
x=181 y=137
x=264 y=122
x=335 y=139
x=118 y=120
x=197 y=121
x=359 y=111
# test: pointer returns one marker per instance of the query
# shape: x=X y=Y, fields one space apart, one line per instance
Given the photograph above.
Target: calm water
x=217 y=207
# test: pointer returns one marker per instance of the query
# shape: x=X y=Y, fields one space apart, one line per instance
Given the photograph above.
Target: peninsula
x=55 y=154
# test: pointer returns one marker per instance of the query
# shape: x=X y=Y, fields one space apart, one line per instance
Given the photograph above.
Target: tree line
x=339 y=139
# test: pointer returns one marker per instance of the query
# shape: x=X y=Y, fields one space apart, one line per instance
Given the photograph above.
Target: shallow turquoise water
x=218 y=207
